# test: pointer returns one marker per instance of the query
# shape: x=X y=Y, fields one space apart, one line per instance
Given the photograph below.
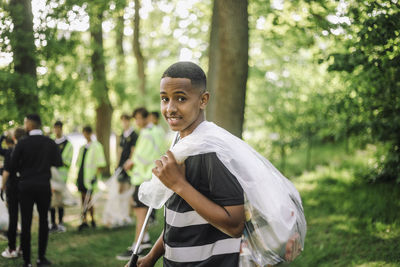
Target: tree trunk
x=119 y=28
x=99 y=85
x=120 y=77
x=229 y=55
x=213 y=66
x=137 y=51
x=23 y=47
x=103 y=130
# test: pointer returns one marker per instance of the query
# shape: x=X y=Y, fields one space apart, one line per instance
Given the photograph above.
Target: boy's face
x=125 y=123
x=182 y=105
x=153 y=119
x=87 y=135
x=57 y=131
x=140 y=121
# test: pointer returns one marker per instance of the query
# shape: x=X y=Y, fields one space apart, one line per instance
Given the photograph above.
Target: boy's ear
x=204 y=100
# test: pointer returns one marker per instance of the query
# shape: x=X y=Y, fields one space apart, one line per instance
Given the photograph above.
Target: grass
x=92 y=247
x=350 y=222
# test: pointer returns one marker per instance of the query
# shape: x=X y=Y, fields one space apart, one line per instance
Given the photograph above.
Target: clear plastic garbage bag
x=3 y=213
x=58 y=184
x=3 y=216
x=117 y=207
x=275 y=225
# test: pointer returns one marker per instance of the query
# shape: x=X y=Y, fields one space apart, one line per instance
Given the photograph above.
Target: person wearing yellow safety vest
x=158 y=131
x=90 y=161
x=59 y=183
x=140 y=166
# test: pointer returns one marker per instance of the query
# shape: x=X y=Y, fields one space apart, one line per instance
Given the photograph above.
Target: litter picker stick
x=134 y=257
x=97 y=196
x=86 y=203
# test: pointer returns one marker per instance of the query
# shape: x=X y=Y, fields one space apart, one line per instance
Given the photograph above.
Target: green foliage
x=291 y=99
x=372 y=57
x=349 y=224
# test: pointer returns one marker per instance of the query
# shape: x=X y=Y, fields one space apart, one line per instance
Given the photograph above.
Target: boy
x=66 y=150
x=204 y=218
x=33 y=157
x=117 y=208
x=127 y=145
x=90 y=161
x=10 y=185
x=146 y=152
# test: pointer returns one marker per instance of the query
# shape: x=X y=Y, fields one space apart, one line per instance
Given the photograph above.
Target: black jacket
x=33 y=157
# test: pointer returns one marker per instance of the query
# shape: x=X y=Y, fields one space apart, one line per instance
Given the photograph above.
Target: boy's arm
x=2 y=150
x=228 y=219
x=155 y=253
x=5 y=176
x=15 y=159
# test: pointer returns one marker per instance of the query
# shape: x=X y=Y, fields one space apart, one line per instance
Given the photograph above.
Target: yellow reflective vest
x=147 y=150
x=159 y=135
x=67 y=152
x=94 y=159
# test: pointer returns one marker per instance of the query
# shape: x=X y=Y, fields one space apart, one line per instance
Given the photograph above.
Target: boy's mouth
x=173 y=120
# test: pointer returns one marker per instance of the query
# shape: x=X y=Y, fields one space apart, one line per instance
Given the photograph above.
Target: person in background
x=90 y=161
x=158 y=131
x=160 y=139
x=4 y=151
x=141 y=164
x=127 y=146
x=154 y=117
x=32 y=158
x=9 y=143
x=57 y=202
x=10 y=186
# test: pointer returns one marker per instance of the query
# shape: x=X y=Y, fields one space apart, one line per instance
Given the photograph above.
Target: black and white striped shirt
x=188 y=238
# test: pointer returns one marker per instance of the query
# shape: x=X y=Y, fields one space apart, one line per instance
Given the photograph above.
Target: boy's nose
x=171 y=107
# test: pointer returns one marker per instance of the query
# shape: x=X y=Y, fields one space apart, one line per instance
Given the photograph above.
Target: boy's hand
x=145 y=261
x=170 y=173
x=1 y=194
x=128 y=165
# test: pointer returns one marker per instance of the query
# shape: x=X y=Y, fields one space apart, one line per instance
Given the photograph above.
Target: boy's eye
x=164 y=99
x=181 y=99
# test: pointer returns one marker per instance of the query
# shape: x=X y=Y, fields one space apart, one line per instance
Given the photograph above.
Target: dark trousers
x=60 y=215
x=12 y=202
x=29 y=195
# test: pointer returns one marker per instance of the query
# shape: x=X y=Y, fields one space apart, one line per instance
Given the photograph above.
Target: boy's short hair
x=35 y=118
x=19 y=133
x=125 y=117
x=155 y=114
x=142 y=111
x=58 y=124
x=87 y=129
x=188 y=70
